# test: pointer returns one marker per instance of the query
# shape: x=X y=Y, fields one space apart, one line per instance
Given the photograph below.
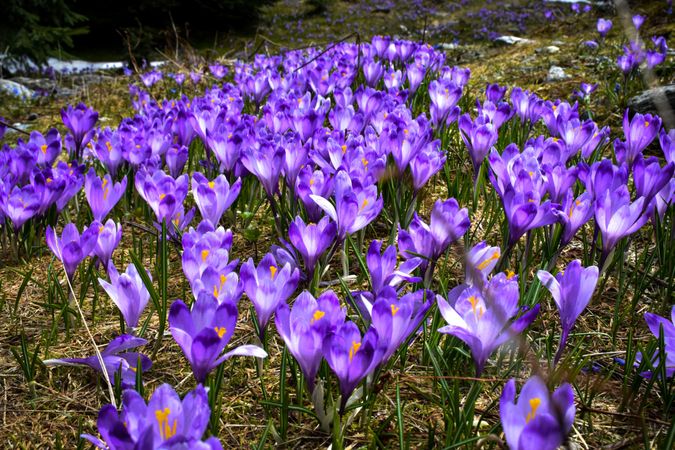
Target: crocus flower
x=639 y=131
x=312 y=239
x=268 y=286
x=482 y=317
x=204 y=332
x=447 y=224
x=538 y=420
x=667 y=141
x=214 y=197
x=165 y=422
x=638 y=20
x=109 y=236
x=524 y=211
x=21 y=204
x=304 y=328
x=617 y=217
x=571 y=289
x=351 y=357
x=128 y=292
x=176 y=156
x=116 y=358
x=162 y=193
x=479 y=137
x=102 y=194
x=395 y=319
x=444 y=95
x=604 y=25
x=382 y=267
x=573 y=214
x=71 y=248
x=649 y=177
x=265 y=162
x=80 y=121
x=656 y=324
x=355 y=205
x=480 y=262
x=427 y=163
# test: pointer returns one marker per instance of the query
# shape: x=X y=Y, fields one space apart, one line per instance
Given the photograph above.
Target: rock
x=556 y=73
x=660 y=100
x=31 y=117
x=36 y=84
x=551 y=49
x=513 y=40
x=16 y=89
x=447 y=46
x=558 y=43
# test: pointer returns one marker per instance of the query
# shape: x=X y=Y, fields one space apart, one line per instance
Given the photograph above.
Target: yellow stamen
x=165 y=431
x=161 y=196
x=394 y=309
x=353 y=349
x=221 y=331
x=534 y=405
x=344 y=148
x=318 y=314
x=364 y=161
x=212 y=184
x=646 y=124
x=487 y=262
x=510 y=274
x=205 y=254
x=311 y=181
x=273 y=271
x=43 y=147
x=576 y=203
x=108 y=146
x=364 y=204
x=223 y=279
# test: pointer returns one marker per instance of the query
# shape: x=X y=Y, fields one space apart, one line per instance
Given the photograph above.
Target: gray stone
x=16 y=89
x=660 y=100
x=513 y=40
x=556 y=73
x=551 y=49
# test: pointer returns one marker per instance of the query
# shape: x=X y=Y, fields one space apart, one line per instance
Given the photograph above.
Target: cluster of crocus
x=164 y=422
x=481 y=315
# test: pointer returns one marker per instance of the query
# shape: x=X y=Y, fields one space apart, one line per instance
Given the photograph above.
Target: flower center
x=205 y=254
x=165 y=431
x=353 y=349
x=487 y=262
x=221 y=331
x=394 y=309
x=273 y=271
x=43 y=147
x=212 y=184
x=534 y=405
x=318 y=314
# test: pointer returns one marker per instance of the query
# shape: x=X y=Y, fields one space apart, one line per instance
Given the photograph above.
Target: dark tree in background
x=36 y=29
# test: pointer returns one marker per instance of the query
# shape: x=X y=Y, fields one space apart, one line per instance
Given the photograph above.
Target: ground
x=59 y=404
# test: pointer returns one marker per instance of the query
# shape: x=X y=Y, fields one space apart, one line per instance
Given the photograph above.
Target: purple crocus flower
x=102 y=194
x=128 y=293
x=165 y=422
x=355 y=205
x=71 y=248
x=482 y=317
x=21 y=204
x=204 y=332
x=351 y=357
x=447 y=224
x=214 y=197
x=382 y=268
x=604 y=25
x=217 y=70
x=667 y=141
x=162 y=193
x=524 y=211
x=444 y=95
x=571 y=289
x=494 y=93
x=265 y=162
x=427 y=163
x=539 y=420
x=116 y=358
x=304 y=328
x=80 y=121
x=268 y=286
x=479 y=136
x=649 y=177
x=109 y=236
x=573 y=214
x=176 y=156
x=639 y=131
x=656 y=324
x=312 y=239
x=638 y=20
x=395 y=319
x=617 y=217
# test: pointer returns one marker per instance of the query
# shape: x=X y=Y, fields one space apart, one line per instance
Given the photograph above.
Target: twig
x=111 y=392
x=8 y=125
x=620 y=414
